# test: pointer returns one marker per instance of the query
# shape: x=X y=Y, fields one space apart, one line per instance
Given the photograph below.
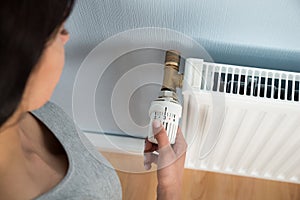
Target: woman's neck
x=13 y=143
x=10 y=141
x=10 y=146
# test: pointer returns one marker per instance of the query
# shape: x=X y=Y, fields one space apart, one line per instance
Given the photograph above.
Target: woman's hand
x=170 y=161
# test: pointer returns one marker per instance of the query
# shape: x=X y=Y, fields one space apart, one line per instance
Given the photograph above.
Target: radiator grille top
x=261 y=83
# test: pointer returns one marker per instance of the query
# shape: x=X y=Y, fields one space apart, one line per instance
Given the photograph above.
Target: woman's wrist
x=172 y=192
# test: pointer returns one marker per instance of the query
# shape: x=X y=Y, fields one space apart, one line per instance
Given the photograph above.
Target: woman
x=42 y=153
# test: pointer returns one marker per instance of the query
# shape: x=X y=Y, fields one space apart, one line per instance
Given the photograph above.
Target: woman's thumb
x=160 y=134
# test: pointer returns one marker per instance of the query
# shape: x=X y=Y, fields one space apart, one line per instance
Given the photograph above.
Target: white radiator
x=241 y=120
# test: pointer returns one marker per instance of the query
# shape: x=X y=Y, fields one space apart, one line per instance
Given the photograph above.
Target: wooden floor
x=201 y=185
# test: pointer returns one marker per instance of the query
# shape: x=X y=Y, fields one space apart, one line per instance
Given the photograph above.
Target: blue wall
x=255 y=33
x=260 y=33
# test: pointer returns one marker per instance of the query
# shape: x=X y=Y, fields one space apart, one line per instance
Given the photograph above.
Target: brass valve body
x=172 y=79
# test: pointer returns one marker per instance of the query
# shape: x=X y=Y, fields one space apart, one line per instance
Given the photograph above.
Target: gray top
x=89 y=176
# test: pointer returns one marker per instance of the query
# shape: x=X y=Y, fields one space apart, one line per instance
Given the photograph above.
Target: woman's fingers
x=167 y=153
x=149 y=146
x=170 y=161
x=149 y=158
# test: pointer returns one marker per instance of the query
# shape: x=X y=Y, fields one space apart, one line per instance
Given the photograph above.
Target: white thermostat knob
x=168 y=111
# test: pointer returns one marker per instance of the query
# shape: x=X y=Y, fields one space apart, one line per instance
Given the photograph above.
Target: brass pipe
x=172 y=78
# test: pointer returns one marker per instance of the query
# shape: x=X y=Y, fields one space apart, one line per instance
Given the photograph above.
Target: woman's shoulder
x=50 y=109
x=54 y=117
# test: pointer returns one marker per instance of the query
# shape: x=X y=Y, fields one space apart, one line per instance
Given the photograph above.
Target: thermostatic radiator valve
x=166 y=107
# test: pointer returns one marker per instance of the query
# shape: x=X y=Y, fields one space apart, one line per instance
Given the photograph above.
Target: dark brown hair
x=26 y=27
